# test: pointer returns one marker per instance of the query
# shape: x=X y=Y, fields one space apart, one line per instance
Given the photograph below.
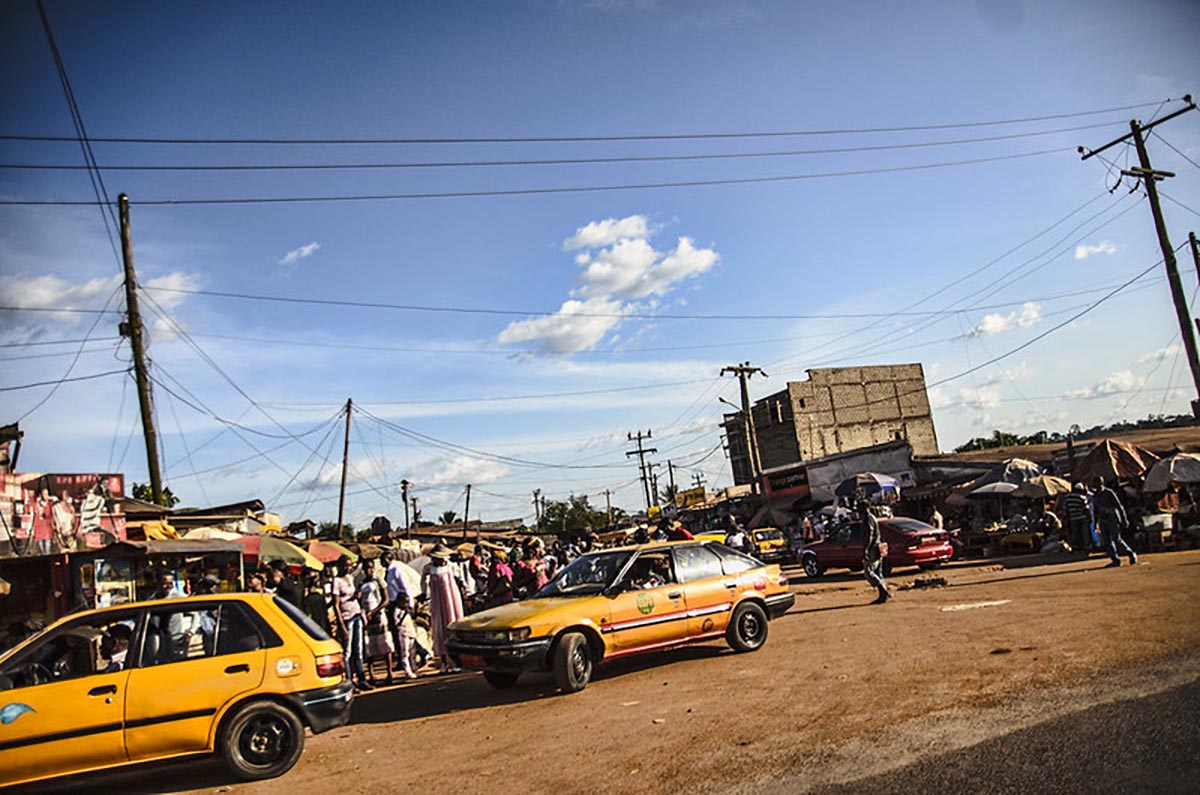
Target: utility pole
x=641 y=452
x=608 y=504
x=132 y=328
x=671 y=475
x=537 y=506
x=697 y=480
x=467 y=512
x=743 y=372
x=416 y=517
x=345 y=463
x=1196 y=261
x=653 y=481
x=1149 y=177
x=404 y=499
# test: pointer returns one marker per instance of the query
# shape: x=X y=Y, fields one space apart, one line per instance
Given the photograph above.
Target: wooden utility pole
x=697 y=480
x=132 y=328
x=653 y=481
x=537 y=507
x=1196 y=262
x=416 y=517
x=404 y=499
x=1149 y=178
x=467 y=512
x=743 y=372
x=641 y=452
x=608 y=505
x=345 y=463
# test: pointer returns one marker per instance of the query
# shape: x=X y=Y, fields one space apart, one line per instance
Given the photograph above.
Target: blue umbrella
x=870 y=483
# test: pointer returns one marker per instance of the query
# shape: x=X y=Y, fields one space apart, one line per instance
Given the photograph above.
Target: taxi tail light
x=784 y=580
x=331 y=665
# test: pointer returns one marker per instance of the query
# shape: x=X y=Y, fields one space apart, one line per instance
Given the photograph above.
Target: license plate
x=929 y=540
x=474 y=660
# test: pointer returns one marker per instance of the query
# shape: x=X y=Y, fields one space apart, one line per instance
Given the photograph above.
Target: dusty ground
x=841 y=690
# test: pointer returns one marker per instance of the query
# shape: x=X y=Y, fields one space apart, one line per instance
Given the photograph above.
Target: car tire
x=812 y=566
x=500 y=679
x=573 y=663
x=747 y=630
x=261 y=740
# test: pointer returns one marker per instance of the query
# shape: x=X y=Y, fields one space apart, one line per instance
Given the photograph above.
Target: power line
x=546 y=191
x=201 y=167
x=69 y=310
x=591 y=138
x=1170 y=146
x=1173 y=200
x=59 y=382
x=56 y=342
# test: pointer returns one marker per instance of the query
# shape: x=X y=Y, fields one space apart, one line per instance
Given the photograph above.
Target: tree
x=328 y=531
x=448 y=517
x=141 y=491
x=573 y=515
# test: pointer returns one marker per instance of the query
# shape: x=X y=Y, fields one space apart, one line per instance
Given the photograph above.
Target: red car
x=909 y=543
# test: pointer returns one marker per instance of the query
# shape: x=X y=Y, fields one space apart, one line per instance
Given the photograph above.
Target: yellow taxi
x=769 y=543
x=616 y=602
x=240 y=675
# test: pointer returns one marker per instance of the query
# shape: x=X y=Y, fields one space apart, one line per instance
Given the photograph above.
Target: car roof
x=652 y=545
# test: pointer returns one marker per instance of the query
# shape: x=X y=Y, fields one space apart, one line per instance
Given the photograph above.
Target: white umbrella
x=1179 y=468
x=418 y=564
x=411 y=578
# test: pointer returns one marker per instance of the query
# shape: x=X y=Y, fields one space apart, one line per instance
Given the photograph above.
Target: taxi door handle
x=674 y=594
x=103 y=690
x=243 y=668
x=731 y=585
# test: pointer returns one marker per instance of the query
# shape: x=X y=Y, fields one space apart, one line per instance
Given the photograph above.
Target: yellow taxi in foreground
x=240 y=675
x=623 y=601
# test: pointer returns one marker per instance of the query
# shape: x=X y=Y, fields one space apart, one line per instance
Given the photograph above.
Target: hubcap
x=579 y=664
x=750 y=626
x=265 y=740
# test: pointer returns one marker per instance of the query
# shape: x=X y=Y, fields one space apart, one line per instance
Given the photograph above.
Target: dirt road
x=842 y=690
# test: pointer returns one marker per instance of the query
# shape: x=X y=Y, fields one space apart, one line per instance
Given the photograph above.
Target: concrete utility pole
x=537 y=506
x=345 y=463
x=132 y=328
x=641 y=452
x=404 y=499
x=1149 y=177
x=467 y=512
x=743 y=372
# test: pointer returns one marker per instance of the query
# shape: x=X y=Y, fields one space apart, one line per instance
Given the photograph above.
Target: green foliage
x=574 y=515
x=448 y=517
x=328 y=531
x=141 y=491
x=1003 y=439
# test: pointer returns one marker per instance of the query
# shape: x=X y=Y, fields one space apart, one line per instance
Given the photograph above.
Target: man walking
x=1111 y=519
x=1073 y=509
x=872 y=552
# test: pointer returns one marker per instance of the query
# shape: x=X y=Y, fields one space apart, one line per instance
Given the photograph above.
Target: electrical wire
x=477 y=194
x=1173 y=149
x=553 y=161
x=34 y=343
x=1173 y=200
x=57 y=383
x=597 y=138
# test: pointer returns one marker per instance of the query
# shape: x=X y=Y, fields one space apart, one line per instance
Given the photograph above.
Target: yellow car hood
x=519 y=614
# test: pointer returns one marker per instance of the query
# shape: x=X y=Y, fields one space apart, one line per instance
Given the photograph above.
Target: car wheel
x=747 y=629
x=572 y=663
x=500 y=680
x=261 y=740
x=811 y=567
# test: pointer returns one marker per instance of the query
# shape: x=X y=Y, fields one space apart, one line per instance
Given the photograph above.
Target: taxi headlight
x=507 y=635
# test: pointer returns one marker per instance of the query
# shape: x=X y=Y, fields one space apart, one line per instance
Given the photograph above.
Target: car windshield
x=590 y=574
x=911 y=526
x=768 y=535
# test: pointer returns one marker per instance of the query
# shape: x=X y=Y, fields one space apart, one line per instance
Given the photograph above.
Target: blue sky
x=621 y=275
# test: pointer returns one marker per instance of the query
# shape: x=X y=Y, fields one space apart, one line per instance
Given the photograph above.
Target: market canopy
x=1114 y=460
x=992 y=491
x=870 y=483
x=330 y=551
x=268 y=548
x=1042 y=487
x=1180 y=468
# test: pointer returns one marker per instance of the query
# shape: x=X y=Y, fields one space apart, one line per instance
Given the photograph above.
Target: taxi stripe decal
x=664 y=618
x=103 y=728
x=195 y=713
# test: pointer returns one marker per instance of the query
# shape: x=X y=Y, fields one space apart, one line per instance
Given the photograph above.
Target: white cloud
x=969 y=398
x=1112 y=384
x=1029 y=314
x=574 y=327
x=54 y=291
x=619 y=267
x=1160 y=354
x=598 y=234
x=465 y=469
x=297 y=254
x=1103 y=247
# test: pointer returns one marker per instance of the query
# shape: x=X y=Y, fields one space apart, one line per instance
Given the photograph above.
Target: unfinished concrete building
x=836 y=410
